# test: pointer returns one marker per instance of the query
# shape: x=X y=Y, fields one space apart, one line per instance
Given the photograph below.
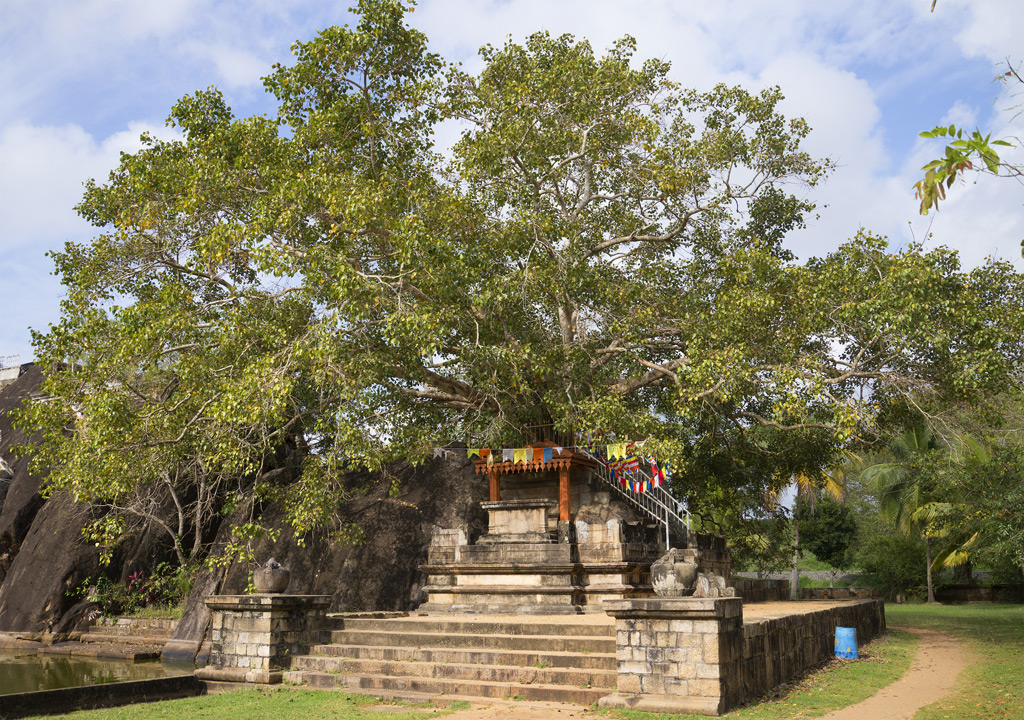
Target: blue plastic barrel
x=846 y=643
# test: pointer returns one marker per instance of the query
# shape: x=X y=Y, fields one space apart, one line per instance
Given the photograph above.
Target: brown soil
x=522 y=711
x=931 y=676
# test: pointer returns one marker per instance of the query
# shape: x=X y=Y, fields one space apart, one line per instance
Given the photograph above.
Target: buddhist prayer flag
x=508 y=454
x=616 y=450
x=529 y=454
x=470 y=452
x=438 y=452
x=657 y=476
x=519 y=455
x=548 y=455
x=559 y=450
x=616 y=470
x=631 y=464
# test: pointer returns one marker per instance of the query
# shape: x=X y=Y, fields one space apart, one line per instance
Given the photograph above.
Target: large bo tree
x=601 y=250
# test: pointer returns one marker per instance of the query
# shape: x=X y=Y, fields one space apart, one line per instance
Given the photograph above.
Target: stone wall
x=753 y=590
x=778 y=649
x=697 y=655
x=714 y=553
x=840 y=593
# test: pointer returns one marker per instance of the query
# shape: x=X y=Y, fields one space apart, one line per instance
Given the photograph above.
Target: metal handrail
x=657 y=503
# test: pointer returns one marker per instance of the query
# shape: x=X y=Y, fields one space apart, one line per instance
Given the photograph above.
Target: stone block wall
x=714 y=553
x=840 y=593
x=677 y=655
x=753 y=590
x=696 y=655
x=775 y=650
x=254 y=637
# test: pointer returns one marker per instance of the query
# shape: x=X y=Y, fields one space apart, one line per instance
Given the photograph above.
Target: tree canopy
x=601 y=250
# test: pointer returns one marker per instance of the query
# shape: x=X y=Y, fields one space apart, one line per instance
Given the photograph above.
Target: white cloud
x=235 y=67
x=44 y=169
x=992 y=30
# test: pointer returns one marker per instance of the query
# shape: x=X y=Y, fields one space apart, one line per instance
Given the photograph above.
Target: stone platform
x=688 y=655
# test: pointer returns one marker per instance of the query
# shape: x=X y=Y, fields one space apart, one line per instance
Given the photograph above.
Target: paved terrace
x=752 y=613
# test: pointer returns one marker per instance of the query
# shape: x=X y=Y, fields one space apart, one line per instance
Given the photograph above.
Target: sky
x=80 y=80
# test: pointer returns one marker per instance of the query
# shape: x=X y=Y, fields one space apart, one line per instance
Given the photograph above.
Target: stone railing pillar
x=254 y=637
x=677 y=655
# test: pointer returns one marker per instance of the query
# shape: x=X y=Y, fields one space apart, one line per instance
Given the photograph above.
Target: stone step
x=524 y=675
x=129 y=631
x=120 y=639
x=119 y=650
x=379 y=684
x=580 y=660
x=539 y=643
x=479 y=627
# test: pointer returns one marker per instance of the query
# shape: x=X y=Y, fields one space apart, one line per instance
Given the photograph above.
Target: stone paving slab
x=752 y=612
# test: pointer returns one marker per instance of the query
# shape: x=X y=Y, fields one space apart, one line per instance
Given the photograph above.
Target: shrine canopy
x=539 y=457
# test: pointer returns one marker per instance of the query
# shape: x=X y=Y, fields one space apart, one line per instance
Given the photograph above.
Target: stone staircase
x=567 y=660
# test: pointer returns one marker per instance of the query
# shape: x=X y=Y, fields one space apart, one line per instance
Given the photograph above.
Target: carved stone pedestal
x=677 y=655
x=254 y=637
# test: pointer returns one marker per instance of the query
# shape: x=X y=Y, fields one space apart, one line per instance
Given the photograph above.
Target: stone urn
x=674 y=574
x=272 y=577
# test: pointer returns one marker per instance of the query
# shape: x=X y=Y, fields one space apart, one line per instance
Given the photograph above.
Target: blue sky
x=81 y=79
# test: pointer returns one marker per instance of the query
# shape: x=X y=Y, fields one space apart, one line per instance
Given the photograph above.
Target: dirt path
x=525 y=711
x=932 y=675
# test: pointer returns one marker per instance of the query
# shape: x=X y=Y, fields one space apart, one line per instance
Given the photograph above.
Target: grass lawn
x=992 y=687
x=277 y=704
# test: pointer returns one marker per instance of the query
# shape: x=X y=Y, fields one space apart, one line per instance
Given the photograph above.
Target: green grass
x=261 y=704
x=993 y=685
x=808 y=561
x=838 y=684
x=158 y=611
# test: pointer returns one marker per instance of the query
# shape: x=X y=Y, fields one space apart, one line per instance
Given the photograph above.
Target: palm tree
x=901 y=487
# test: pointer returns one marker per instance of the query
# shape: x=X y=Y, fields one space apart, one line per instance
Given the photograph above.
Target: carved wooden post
x=563 y=493
x=495 y=484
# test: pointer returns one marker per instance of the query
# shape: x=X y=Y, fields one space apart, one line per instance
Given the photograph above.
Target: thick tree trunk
x=794 y=582
x=928 y=559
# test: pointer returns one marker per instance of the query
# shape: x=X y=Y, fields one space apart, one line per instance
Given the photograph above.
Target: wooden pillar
x=563 y=493
x=495 y=484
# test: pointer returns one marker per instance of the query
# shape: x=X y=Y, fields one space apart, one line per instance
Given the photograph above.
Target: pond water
x=30 y=671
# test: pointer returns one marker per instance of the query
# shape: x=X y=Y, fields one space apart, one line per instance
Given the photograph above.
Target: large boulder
x=43 y=559
x=20 y=499
x=380 y=571
x=51 y=563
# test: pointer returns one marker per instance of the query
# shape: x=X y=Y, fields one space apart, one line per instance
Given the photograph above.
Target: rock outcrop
x=19 y=494
x=43 y=559
x=379 y=572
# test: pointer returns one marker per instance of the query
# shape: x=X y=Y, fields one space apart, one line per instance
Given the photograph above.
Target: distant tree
x=830 y=532
x=906 y=485
x=894 y=559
